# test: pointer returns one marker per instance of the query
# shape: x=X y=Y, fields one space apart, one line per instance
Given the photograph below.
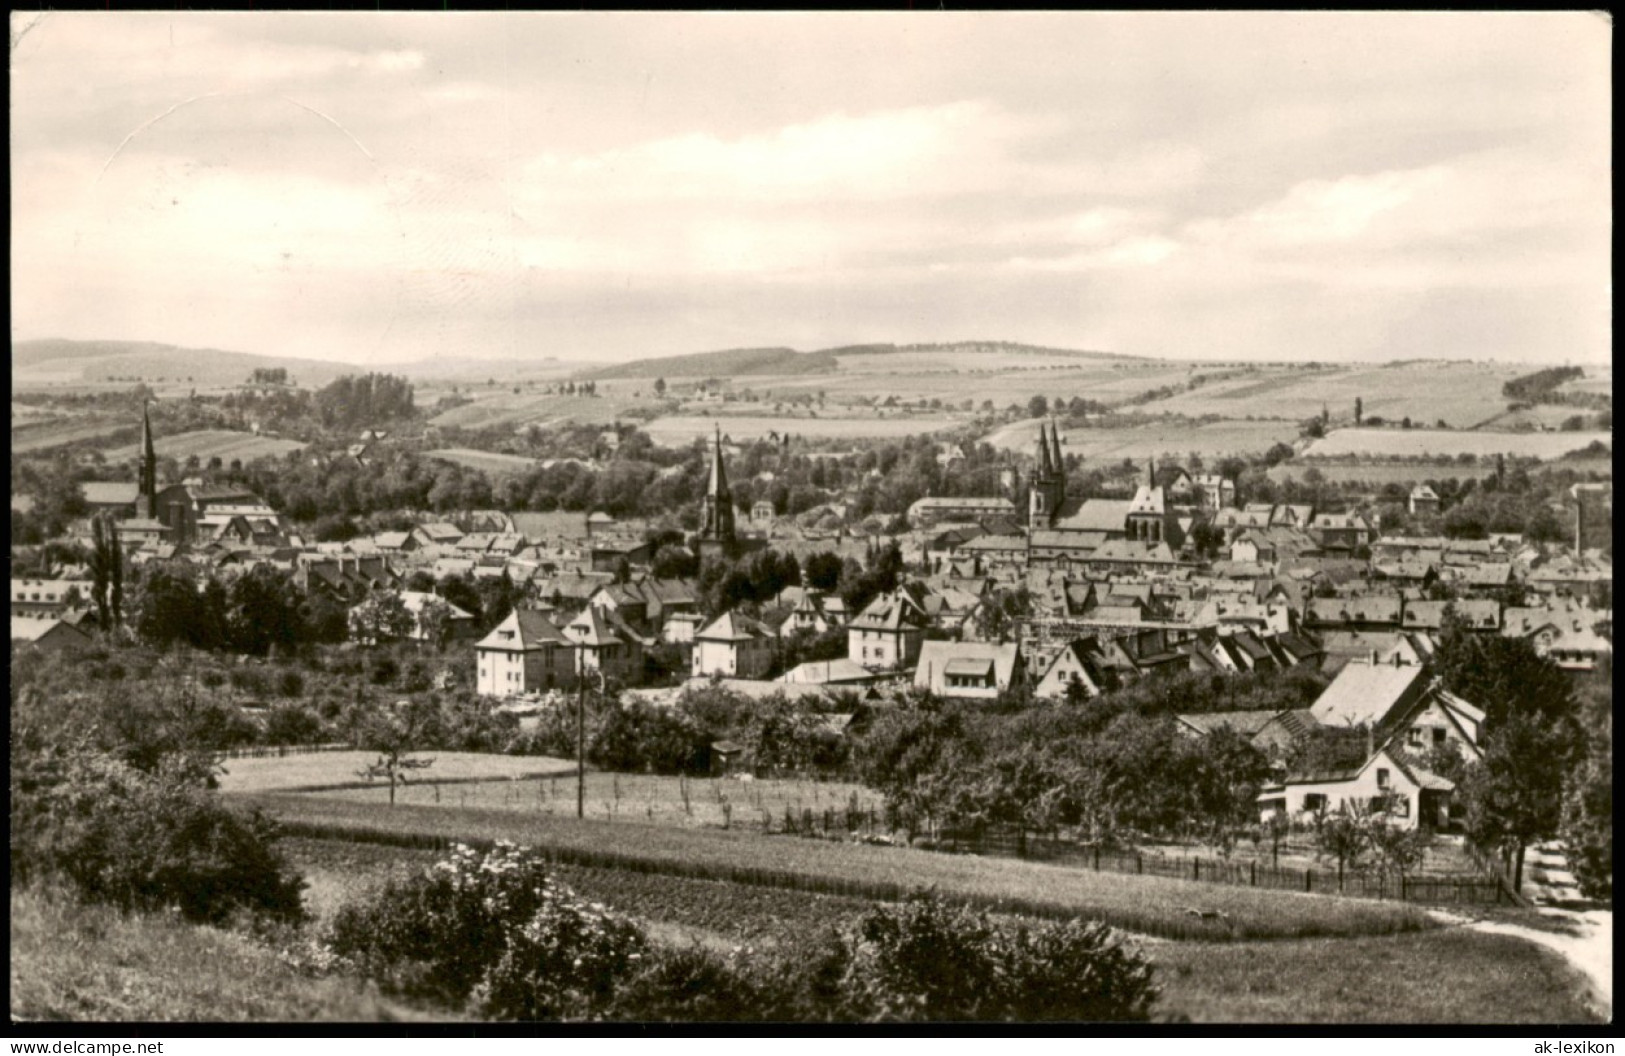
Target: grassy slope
x=1445 y=976
x=71 y=962
x=1147 y=904
x=1440 y=976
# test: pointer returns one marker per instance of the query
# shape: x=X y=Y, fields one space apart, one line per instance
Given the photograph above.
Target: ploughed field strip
x=1158 y=906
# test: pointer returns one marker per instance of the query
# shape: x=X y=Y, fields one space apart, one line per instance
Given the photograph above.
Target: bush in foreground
x=140 y=840
x=494 y=931
x=493 y=934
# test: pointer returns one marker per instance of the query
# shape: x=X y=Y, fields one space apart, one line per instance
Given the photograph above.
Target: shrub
x=493 y=931
x=926 y=960
x=144 y=841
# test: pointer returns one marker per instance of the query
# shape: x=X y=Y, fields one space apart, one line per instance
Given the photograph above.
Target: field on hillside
x=1450 y=444
x=502 y=407
x=43 y=433
x=326 y=769
x=680 y=431
x=209 y=443
x=1155 y=439
x=1543 y=416
x=1004 y=380
x=497 y=465
x=1149 y=904
x=645 y=799
x=1380 y=473
x=1463 y=394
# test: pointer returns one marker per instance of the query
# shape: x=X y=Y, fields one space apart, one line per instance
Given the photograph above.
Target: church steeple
x=1048 y=484
x=717 y=510
x=146 y=503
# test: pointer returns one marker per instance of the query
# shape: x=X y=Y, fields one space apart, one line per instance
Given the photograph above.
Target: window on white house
x=1382 y=777
x=1438 y=735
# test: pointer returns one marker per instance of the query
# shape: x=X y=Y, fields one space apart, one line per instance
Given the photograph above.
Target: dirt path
x=1590 y=951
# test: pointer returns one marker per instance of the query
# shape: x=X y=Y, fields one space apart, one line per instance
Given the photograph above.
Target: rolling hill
x=753 y=362
x=59 y=361
x=729 y=363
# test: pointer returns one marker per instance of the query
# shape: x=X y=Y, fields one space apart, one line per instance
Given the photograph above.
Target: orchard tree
x=395 y=732
x=381 y=617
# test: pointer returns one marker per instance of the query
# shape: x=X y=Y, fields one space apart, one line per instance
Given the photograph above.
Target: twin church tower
x=1048 y=488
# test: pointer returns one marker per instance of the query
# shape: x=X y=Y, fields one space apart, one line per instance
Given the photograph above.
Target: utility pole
x=581 y=745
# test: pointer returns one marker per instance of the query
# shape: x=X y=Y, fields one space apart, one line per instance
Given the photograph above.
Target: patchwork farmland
x=1449 y=443
x=1462 y=394
x=225 y=444
x=1155 y=439
x=677 y=431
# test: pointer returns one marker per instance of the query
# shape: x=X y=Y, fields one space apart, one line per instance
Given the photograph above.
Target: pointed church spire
x=147 y=472
x=718 y=486
x=1055 y=446
x=717 y=509
x=1043 y=457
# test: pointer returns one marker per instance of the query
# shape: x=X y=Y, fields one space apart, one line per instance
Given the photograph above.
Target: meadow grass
x=692 y=802
x=76 y=962
x=1441 y=976
x=330 y=769
x=1150 y=905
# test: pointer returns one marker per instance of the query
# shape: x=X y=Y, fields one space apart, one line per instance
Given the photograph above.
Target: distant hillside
x=751 y=361
x=733 y=362
x=985 y=347
x=61 y=361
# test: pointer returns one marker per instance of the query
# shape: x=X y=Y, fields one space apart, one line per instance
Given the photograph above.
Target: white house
x=1389 y=783
x=605 y=644
x=888 y=633
x=733 y=646
x=1072 y=666
x=525 y=653
x=974 y=670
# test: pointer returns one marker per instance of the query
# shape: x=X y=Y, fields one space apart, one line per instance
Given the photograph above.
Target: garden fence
x=278 y=751
x=1356 y=883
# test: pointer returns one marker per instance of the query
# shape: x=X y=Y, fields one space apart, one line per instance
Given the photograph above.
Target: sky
x=385 y=188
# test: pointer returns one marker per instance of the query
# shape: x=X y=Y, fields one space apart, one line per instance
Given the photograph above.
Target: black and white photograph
x=790 y=520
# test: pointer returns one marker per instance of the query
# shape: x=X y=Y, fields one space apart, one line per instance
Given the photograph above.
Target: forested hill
x=737 y=362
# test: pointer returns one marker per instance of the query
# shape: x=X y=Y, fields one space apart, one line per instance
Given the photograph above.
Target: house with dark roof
x=525 y=653
x=970 y=670
x=888 y=633
x=1341 y=531
x=733 y=646
x=1400 y=701
x=1078 y=664
x=1423 y=500
x=48 y=634
x=606 y=645
x=1391 y=783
